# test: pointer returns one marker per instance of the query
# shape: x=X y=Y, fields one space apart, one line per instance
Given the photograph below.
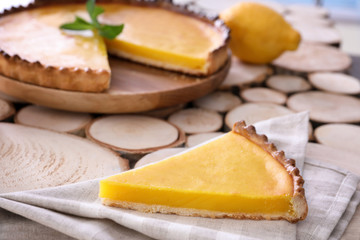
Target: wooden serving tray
x=134 y=88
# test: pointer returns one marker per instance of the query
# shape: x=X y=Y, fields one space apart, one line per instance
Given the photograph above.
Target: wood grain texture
x=198 y=138
x=163 y=112
x=32 y=158
x=218 y=101
x=134 y=134
x=308 y=10
x=314 y=58
x=264 y=95
x=318 y=34
x=51 y=119
x=296 y=19
x=254 y=112
x=326 y=107
x=197 y=120
x=340 y=136
x=134 y=88
x=11 y=99
x=6 y=109
x=243 y=75
x=158 y=156
x=288 y=83
x=335 y=82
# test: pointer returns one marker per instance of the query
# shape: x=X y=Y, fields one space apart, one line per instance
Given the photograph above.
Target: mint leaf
x=110 y=31
x=78 y=24
x=106 y=31
x=94 y=11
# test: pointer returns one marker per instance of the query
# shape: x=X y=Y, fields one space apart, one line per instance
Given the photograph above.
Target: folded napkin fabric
x=75 y=210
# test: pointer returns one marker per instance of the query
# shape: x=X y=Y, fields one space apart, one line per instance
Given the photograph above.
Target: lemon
x=258 y=33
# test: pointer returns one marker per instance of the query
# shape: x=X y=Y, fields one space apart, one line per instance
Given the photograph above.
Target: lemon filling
x=230 y=174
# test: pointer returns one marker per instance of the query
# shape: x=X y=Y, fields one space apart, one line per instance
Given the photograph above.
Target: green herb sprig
x=106 y=31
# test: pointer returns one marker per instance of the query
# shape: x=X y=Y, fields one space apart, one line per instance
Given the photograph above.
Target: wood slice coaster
x=197 y=120
x=288 y=83
x=274 y=5
x=6 y=110
x=243 y=74
x=158 y=156
x=254 y=112
x=51 y=119
x=263 y=95
x=341 y=136
x=163 y=112
x=318 y=34
x=196 y=139
x=218 y=101
x=32 y=158
x=134 y=135
x=335 y=82
x=326 y=107
x=314 y=58
x=296 y=19
x=308 y=10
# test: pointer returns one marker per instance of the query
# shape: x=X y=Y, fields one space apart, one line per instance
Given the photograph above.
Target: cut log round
x=340 y=136
x=318 y=34
x=288 y=83
x=32 y=158
x=314 y=58
x=196 y=139
x=274 y=5
x=335 y=82
x=326 y=107
x=254 y=112
x=218 y=101
x=134 y=134
x=243 y=74
x=295 y=19
x=163 y=112
x=51 y=119
x=264 y=95
x=158 y=156
x=6 y=110
x=197 y=120
x=307 y=10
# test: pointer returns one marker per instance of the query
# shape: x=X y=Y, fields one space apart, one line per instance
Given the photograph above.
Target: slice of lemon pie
x=238 y=175
x=34 y=49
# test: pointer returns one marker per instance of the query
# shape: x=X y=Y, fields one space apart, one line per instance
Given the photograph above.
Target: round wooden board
x=134 y=88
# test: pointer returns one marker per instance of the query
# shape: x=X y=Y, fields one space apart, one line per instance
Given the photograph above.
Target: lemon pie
x=238 y=175
x=157 y=33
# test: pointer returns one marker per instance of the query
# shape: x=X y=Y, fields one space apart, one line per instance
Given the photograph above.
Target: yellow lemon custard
x=165 y=39
x=238 y=175
x=34 y=49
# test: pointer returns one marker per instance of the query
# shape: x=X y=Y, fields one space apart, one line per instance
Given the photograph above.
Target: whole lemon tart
x=34 y=49
x=238 y=175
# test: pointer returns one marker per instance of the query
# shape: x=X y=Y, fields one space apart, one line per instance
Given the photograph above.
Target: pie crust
x=91 y=80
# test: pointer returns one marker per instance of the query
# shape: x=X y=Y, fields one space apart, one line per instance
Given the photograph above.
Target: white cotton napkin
x=75 y=210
